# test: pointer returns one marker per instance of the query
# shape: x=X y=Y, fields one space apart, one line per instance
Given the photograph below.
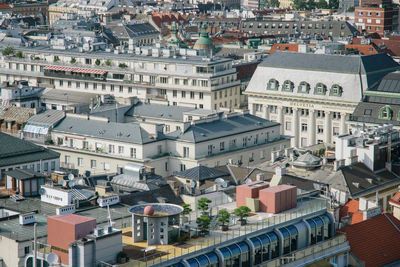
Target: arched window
x=385 y=113
x=320 y=89
x=273 y=85
x=336 y=90
x=288 y=86
x=303 y=87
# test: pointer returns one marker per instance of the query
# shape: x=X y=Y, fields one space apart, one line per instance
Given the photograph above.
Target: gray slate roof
x=330 y=63
x=15 y=151
x=164 y=112
x=47 y=118
x=20 y=174
x=221 y=128
x=201 y=173
x=123 y=132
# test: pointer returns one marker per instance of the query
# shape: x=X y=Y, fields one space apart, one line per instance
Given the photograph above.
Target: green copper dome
x=204 y=42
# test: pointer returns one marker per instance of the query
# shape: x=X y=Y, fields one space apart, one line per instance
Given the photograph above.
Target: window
x=27 y=250
x=130 y=89
x=86 y=85
x=288 y=86
x=272 y=85
x=93 y=164
x=106 y=166
x=385 y=113
x=112 y=88
x=133 y=152
x=183 y=94
x=174 y=93
x=210 y=149
x=320 y=89
x=258 y=107
x=288 y=125
x=194 y=82
x=69 y=84
x=80 y=162
x=163 y=79
x=121 y=89
x=191 y=95
x=336 y=115
x=335 y=131
x=95 y=86
x=288 y=110
x=46 y=166
x=336 y=90
x=120 y=149
x=176 y=81
x=204 y=83
x=185 y=152
x=53 y=166
x=222 y=146
x=320 y=114
x=378 y=21
x=111 y=149
x=304 y=87
x=320 y=129
x=78 y=85
x=183 y=167
x=273 y=109
x=103 y=87
x=304 y=127
x=185 y=82
x=244 y=141
x=201 y=95
x=67 y=159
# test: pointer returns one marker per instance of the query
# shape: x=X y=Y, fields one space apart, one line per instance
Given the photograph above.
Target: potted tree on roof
x=203 y=221
x=223 y=219
x=242 y=212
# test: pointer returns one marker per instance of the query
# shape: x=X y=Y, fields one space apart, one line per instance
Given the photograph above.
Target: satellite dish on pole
x=42 y=191
x=87 y=173
x=71 y=177
x=52 y=258
x=63 y=183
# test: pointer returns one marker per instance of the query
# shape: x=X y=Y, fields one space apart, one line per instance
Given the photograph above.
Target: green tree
x=242 y=212
x=202 y=204
x=223 y=219
x=97 y=62
x=122 y=65
x=299 y=4
x=310 y=4
x=203 y=224
x=108 y=62
x=8 y=51
x=322 y=4
x=351 y=9
x=73 y=60
x=19 y=54
x=56 y=58
x=333 y=4
x=274 y=3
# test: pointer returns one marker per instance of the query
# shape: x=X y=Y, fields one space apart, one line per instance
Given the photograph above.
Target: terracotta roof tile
x=351 y=209
x=374 y=241
x=395 y=199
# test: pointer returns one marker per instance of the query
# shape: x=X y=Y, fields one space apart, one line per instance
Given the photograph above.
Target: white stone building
x=102 y=147
x=313 y=95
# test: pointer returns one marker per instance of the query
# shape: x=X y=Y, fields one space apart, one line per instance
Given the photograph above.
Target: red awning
x=101 y=72
x=76 y=70
x=60 y=68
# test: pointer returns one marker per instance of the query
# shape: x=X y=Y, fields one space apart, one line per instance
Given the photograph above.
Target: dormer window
x=320 y=89
x=288 y=86
x=303 y=87
x=336 y=90
x=385 y=113
x=273 y=85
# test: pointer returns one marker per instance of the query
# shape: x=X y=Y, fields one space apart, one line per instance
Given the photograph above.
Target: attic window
x=288 y=86
x=367 y=111
x=385 y=113
x=303 y=87
x=336 y=90
x=320 y=89
x=273 y=85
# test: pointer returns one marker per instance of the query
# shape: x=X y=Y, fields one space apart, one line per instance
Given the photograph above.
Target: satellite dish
x=64 y=183
x=71 y=184
x=52 y=258
x=99 y=201
x=71 y=177
x=87 y=173
x=42 y=191
x=221 y=182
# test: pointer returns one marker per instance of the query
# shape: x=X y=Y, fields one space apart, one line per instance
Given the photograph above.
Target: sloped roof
x=17 y=114
x=351 y=209
x=15 y=151
x=124 y=132
x=221 y=128
x=374 y=241
x=201 y=173
x=20 y=174
x=48 y=118
x=395 y=199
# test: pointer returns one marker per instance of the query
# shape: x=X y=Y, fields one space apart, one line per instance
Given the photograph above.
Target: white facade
x=56 y=196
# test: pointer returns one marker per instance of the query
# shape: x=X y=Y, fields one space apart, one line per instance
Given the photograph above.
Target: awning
x=76 y=70
x=35 y=129
x=101 y=72
x=60 y=68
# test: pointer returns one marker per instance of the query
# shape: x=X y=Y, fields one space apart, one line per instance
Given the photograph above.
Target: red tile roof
x=364 y=49
x=351 y=209
x=4 y=6
x=284 y=47
x=374 y=241
x=395 y=199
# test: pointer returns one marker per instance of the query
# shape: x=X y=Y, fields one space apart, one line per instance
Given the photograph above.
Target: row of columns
x=311 y=136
